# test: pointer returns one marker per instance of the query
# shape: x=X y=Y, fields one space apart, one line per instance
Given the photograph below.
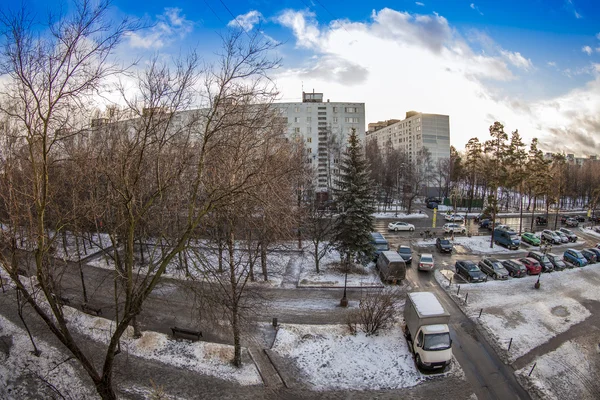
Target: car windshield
x=426 y=259
x=437 y=341
x=577 y=254
x=497 y=265
x=544 y=259
x=444 y=241
x=382 y=246
x=568 y=232
x=405 y=250
x=472 y=267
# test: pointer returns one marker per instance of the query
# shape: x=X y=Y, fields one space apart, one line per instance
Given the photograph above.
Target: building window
x=308 y=109
x=297 y=109
x=321 y=108
x=335 y=109
x=310 y=149
x=309 y=140
x=322 y=118
x=296 y=119
x=353 y=120
x=335 y=120
x=308 y=119
x=350 y=109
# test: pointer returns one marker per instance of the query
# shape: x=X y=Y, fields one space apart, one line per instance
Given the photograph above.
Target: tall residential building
x=324 y=127
x=412 y=134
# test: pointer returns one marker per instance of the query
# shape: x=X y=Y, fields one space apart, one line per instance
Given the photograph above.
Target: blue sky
x=533 y=65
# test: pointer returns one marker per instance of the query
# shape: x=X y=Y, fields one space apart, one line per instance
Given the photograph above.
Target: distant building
x=571 y=159
x=324 y=127
x=412 y=134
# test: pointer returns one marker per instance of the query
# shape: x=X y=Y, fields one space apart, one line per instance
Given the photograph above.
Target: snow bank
x=393 y=215
x=334 y=359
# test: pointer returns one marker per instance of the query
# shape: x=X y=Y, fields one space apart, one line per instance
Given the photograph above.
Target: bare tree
x=376 y=311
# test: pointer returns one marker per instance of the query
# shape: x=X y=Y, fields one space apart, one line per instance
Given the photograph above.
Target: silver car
x=563 y=237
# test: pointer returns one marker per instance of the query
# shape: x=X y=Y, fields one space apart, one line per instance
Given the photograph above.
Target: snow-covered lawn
x=514 y=310
x=571 y=372
x=330 y=275
x=21 y=372
x=332 y=358
x=590 y=231
x=203 y=357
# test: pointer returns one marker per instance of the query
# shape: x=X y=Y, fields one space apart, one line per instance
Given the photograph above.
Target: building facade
x=324 y=128
x=412 y=134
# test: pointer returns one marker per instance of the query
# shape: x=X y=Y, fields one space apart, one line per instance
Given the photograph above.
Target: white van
x=454 y=228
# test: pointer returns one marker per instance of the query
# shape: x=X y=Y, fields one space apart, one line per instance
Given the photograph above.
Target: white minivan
x=454 y=228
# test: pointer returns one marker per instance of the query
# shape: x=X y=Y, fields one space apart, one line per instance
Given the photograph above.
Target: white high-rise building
x=412 y=134
x=324 y=127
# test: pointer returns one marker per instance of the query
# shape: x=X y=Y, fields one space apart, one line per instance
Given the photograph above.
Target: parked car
x=542 y=259
x=493 y=268
x=575 y=258
x=562 y=236
x=426 y=262
x=379 y=243
x=406 y=254
x=569 y=234
x=515 y=268
x=507 y=238
x=454 y=218
x=590 y=256
x=400 y=226
x=596 y=252
x=444 y=245
x=533 y=267
x=580 y=218
x=551 y=237
x=594 y=218
x=564 y=218
x=486 y=223
x=571 y=222
x=540 y=220
x=469 y=271
x=531 y=238
x=454 y=228
x=432 y=205
x=481 y=217
x=557 y=261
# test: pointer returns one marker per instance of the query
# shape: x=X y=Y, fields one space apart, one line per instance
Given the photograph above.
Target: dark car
x=481 y=217
x=515 y=268
x=493 y=268
x=579 y=218
x=469 y=271
x=539 y=220
x=444 y=245
x=432 y=205
x=533 y=267
x=556 y=261
x=595 y=218
x=406 y=254
x=486 y=223
x=596 y=253
x=564 y=218
x=590 y=255
x=542 y=259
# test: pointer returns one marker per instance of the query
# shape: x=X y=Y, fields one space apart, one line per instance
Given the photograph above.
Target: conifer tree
x=354 y=194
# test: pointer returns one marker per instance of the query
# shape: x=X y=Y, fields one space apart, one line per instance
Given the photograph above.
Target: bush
x=377 y=310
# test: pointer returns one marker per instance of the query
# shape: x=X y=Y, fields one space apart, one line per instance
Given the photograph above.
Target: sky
x=533 y=65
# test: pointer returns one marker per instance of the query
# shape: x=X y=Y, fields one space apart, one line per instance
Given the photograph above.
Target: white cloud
x=399 y=61
x=598 y=35
x=419 y=3
x=570 y=6
x=167 y=27
x=587 y=50
x=551 y=64
x=516 y=59
x=246 y=21
x=304 y=26
x=474 y=7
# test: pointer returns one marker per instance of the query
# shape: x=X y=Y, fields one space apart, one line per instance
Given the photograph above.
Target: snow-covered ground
x=474 y=244
x=514 y=310
x=571 y=372
x=331 y=275
x=334 y=359
x=392 y=214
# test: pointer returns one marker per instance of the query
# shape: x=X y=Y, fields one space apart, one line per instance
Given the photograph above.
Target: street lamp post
x=344 y=300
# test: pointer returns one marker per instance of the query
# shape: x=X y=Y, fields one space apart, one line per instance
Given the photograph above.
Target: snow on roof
x=392 y=256
x=426 y=304
x=437 y=328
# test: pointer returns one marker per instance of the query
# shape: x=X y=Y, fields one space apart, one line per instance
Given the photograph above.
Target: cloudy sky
x=533 y=65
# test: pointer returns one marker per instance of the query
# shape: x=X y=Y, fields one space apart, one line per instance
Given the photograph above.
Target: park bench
x=182 y=331
x=91 y=310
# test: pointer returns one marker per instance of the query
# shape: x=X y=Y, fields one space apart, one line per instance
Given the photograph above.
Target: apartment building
x=412 y=134
x=324 y=127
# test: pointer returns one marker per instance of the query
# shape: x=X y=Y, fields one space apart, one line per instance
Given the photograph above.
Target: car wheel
x=469 y=279
x=495 y=277
x=396 y=230
x=511 y=274
x=418 y=360
x=411 y=230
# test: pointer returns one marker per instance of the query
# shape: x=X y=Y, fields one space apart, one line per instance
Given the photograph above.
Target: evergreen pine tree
x=354 y=195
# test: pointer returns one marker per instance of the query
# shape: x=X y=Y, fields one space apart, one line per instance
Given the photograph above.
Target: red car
x=533 y=267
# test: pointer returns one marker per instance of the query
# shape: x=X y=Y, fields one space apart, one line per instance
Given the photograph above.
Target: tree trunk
x=317 y=258
x=137 y=331
x=263 y=260
x=221 y=249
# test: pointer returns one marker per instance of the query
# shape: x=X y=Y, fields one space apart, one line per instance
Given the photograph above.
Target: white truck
x=426 y=331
